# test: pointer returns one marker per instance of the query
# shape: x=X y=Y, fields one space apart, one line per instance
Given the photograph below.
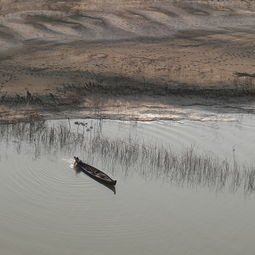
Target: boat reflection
x=111 y=187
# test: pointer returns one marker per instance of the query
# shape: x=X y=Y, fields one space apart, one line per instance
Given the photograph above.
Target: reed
x=187 y=167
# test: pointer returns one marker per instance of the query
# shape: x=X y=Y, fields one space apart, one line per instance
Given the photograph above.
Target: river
x=183 y=187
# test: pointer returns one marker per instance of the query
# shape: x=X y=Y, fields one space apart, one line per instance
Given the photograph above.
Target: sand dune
x=63 y=21
x=75 y=52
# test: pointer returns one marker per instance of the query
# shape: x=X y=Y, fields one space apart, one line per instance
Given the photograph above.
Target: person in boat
x=77 y=161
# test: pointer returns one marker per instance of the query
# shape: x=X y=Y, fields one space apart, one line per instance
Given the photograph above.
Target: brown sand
x=105 y=59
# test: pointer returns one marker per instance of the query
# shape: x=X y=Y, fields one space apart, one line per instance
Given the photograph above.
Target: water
x=49 y=208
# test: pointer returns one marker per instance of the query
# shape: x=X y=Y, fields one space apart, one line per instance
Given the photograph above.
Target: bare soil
x=120 y=61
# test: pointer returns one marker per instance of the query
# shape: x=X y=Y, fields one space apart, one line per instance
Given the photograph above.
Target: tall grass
x=121 y=154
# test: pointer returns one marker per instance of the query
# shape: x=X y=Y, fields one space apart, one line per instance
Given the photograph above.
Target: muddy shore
x=145 y=63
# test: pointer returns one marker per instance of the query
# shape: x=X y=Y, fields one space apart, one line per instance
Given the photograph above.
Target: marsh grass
x=187 y=167
x=86 y=85
x=28 y=99
x=244 y=83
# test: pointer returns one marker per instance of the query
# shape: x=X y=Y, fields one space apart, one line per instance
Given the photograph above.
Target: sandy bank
x=116 y=58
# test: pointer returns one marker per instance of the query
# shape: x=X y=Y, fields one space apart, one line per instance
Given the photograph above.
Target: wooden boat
x=94 y=172
x=78 y=170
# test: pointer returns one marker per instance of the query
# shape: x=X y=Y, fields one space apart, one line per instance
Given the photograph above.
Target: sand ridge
x=66 y=54
x=64 y=21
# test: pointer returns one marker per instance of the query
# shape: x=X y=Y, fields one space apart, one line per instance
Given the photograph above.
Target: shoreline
x=133 y=61
x=175 y=108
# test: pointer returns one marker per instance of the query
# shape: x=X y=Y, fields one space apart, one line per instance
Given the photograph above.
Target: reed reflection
x=129 y=155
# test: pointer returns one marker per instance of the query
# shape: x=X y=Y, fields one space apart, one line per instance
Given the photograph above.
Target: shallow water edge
x=135 y=108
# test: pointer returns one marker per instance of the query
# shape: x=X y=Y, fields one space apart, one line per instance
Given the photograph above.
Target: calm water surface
x=47 y=207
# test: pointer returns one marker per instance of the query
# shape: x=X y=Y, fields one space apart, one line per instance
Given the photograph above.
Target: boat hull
x=94 y=173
